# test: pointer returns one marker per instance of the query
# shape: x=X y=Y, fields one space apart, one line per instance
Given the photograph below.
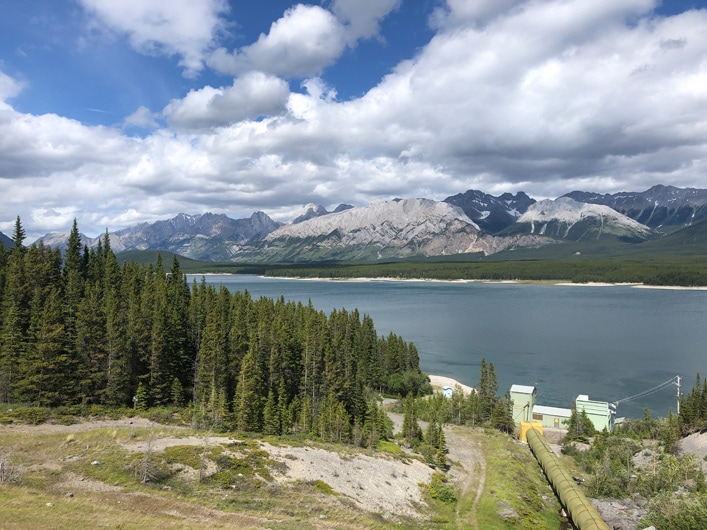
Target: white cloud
x=545 y=97
x=306 y=39
x=176 y=27
x=9 y=87
x=142 y=118
x=300 y=44
x=251 y=96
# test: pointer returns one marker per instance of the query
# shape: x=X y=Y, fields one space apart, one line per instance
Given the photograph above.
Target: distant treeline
x=686 y=272
x=81 y=329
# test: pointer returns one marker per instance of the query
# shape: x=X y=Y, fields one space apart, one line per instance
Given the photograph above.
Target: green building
x=526 y=408
x=523 y=398
x=598 y=411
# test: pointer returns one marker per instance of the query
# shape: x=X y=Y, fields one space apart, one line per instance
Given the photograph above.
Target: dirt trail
x=467 y=466
x=469 y=471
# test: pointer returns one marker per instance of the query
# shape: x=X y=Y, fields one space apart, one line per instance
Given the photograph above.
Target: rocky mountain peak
x=492 y=214
x=565 y=218
x=310 y=210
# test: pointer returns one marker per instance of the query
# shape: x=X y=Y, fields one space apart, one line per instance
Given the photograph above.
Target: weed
x=323 y=487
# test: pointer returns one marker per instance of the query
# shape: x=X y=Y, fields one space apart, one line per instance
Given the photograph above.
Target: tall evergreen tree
x=19 y=235
x=248 y=402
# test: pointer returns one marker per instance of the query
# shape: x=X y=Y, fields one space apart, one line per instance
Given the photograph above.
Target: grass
x=516 y=494
x=239 y=490
x=102 y=474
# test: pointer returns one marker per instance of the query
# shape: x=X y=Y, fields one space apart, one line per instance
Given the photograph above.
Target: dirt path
x=467 y=467
x=469 y=471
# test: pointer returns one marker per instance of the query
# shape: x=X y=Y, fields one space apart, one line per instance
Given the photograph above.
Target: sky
x=117 y=112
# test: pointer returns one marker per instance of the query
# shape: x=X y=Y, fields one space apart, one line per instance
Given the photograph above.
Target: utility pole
x=678 y=385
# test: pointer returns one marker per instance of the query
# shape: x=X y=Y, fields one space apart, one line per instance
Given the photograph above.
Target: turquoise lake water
x=609 y=342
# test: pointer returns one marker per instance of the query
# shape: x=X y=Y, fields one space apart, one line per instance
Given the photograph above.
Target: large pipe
x=583 y=514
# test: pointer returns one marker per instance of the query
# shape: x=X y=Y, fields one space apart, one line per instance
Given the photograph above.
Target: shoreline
x=439 y=381
x=560 y=283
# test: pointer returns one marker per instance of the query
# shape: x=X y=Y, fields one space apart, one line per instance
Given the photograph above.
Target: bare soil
x=373 y=482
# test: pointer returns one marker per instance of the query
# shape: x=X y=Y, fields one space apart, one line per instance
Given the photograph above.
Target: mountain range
x=666 y=208
x=471 y=222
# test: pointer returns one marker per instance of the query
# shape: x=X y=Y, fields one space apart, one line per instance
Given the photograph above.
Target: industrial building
x=525 y=408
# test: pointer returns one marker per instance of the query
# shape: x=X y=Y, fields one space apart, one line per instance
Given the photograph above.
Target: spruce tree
x=271 y=415
x=19 y=235
x=411 y=429
x=248 y=405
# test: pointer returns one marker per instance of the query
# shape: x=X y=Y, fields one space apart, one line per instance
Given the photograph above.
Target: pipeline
x=584 y=516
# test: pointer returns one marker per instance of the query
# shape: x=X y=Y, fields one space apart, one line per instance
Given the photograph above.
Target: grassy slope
x=110 y=494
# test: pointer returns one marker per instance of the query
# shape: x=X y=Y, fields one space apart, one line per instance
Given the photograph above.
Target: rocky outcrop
x=565 y=218
x=662 y=207
x=492 y=214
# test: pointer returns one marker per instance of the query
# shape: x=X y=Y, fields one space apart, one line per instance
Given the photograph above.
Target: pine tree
x=161 y=374
x=441 y=454
x=90 y=345
x=44 y=373
x=411 y=429
x=432 y=433
x=271 y=415
x=177 y=393
x=247 y=400
x=14 y=339
x=142 y=397
x=19 y=235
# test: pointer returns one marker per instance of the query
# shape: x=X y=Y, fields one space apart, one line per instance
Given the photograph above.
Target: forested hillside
x=80 y=329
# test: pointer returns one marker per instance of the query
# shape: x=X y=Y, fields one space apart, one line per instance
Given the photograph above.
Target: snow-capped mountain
x=469 y=222
x=663 y=207
x=565 y=218
x=492 y=214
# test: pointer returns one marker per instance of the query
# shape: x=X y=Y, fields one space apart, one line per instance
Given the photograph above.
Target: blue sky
x=122 y=111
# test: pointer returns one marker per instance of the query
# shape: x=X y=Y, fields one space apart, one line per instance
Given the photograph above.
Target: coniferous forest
x=80 y=329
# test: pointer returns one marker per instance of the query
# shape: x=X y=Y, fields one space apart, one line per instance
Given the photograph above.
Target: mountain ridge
x=565 y=218
x=470 y=222
x=659 y=207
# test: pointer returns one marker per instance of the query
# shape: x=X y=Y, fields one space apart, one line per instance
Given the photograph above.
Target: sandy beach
x=439 y=381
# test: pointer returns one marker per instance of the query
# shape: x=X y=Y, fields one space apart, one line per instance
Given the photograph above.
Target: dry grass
x=124 y=475
x=117 y=476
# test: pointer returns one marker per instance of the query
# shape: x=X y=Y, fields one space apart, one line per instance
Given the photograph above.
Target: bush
x=678 y=513
x=33 y=415
x=440 y=489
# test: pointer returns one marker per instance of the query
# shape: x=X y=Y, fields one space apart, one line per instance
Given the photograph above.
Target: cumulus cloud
x=541 y=96
x=306 y=39
x=177 y=27
x=9 y=87
x=251 y=96
x=300 y=44
x=142 y=118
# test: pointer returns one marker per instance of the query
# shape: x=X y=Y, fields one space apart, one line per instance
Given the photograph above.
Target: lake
x=610 y=342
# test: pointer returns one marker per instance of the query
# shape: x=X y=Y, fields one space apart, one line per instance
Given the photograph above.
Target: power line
x=672 y=381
